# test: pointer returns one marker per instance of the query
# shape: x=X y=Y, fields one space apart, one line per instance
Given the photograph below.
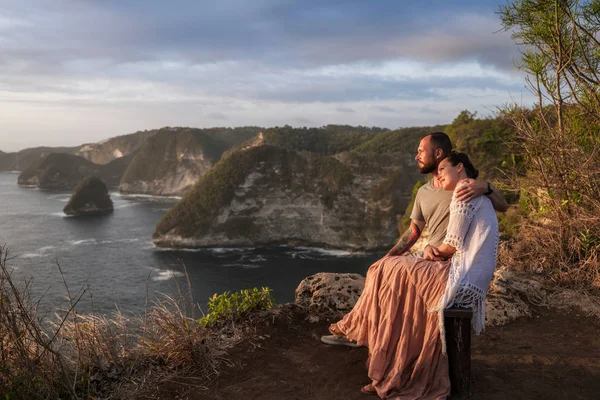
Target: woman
x=399 y=315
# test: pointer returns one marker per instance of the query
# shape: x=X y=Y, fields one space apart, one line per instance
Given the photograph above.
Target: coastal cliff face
x=58 y=171
x=108 y=150
x=173 y=160
x=269 y=195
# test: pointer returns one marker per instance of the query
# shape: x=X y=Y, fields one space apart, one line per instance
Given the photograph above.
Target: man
x=432 y=203
x=432 y=206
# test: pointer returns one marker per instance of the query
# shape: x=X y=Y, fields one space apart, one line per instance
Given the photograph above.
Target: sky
x=79 y=71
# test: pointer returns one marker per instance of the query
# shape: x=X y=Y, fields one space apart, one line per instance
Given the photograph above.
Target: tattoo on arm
x=406 y=241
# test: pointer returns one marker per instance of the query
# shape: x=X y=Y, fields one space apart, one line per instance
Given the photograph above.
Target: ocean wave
x=320 y=251
x=243 y=265
x=30 y=255
x=147 y=197
x=41 y=252
x=221 y=250
x=159 y=275
x=127 y=205
x=82 y=241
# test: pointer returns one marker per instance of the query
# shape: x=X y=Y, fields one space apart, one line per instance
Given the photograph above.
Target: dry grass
x=89 y=356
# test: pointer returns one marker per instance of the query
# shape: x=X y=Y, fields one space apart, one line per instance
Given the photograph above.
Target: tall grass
x=76 y=356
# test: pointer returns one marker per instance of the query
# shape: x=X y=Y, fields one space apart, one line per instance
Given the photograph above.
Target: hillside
x=399 y=140
x=172 y=161
x=108 y=150
x=58 y=171
x=326 y=140
x=21 y=160
x=270 y=195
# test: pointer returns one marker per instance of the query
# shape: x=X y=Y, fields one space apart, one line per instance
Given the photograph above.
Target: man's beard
x=427 y=168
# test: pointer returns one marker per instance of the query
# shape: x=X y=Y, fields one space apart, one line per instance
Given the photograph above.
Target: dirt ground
x=554 y=355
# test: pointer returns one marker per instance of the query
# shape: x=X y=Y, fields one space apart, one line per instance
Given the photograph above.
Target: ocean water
x=112 y=259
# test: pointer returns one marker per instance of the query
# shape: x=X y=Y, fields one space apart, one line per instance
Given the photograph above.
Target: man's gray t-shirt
x=432 y=205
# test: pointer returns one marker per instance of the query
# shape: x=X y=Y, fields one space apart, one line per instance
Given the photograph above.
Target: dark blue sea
x=113 y=259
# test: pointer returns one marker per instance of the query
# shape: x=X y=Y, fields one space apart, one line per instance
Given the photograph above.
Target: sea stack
x=90 y=197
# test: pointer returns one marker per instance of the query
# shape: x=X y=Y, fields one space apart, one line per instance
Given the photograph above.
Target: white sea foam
x=46 y=248
x=165 y=274
x=220 y=250
x=30 y=255
x=148 y=197
x=127 y=205
x=327 y=252
x=82 y=241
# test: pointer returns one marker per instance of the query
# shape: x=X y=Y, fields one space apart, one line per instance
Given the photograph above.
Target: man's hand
x=471 y=190
x=431 y=253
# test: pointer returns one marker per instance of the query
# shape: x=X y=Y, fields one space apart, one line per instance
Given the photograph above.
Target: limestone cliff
x=270 y=195
x=58 y=171
x=172 y=161
x=90 y=197
x=111 y=149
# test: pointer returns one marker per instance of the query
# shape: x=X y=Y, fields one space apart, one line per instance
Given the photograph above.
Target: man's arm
x=408 y=239
x=477 y=188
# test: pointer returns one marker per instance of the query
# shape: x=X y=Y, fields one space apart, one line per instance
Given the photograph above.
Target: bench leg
x=458 y=345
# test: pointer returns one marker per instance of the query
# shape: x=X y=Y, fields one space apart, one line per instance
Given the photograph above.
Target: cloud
x=262 y=62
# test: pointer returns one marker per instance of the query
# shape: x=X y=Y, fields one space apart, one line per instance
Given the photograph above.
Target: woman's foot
x=334 y=329
x=338 y=338
x=368 y=389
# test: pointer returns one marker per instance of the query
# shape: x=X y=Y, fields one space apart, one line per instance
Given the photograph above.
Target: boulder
x=90 y=197
x=328 y=296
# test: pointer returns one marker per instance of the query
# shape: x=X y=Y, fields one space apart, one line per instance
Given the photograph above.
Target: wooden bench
x=458 y=346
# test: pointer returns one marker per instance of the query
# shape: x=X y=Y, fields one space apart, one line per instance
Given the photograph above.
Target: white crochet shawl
x=473 y=231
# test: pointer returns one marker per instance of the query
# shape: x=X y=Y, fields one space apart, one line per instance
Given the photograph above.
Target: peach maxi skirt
x=391 y=318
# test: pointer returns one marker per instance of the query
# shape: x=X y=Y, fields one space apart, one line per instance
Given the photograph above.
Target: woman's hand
x=431 y=253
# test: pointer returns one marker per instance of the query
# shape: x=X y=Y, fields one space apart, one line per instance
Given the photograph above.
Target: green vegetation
x=171 y=149
x=558 y=140
x=486 y=141
x=401 y=140
x=65 y=171
x=327 y=140
x=194 y=214
x=76 y=356
x=90 y=195
x=227 y=306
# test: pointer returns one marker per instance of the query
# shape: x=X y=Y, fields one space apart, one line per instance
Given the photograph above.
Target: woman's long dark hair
x=454 y=158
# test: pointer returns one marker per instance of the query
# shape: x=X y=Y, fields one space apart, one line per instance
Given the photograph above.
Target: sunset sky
x=82 y=70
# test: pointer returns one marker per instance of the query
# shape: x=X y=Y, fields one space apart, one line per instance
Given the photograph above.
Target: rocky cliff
x=172 y=161
x=90 y=197
x=111 y=149
x=270 y=195
x=21 y=160
x=59 y=171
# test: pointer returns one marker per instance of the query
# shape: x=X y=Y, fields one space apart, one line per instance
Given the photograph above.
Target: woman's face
x=449 y=175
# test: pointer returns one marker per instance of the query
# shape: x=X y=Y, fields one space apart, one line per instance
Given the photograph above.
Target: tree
x=559 y=137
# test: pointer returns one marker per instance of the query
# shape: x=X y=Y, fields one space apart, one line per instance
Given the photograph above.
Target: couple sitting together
x=399 y=315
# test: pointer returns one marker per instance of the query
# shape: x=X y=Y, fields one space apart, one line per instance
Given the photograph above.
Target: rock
x=328 y=296
x=511 y=295
x=90 y=197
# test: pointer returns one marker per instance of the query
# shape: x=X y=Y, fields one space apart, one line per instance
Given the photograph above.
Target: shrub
x=228 y=306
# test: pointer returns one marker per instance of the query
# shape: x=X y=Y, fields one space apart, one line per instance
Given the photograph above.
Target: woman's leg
x=391 y=318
